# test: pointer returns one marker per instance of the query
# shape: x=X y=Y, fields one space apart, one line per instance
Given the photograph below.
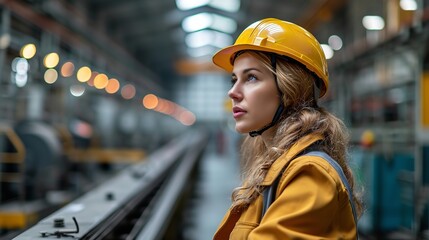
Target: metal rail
x=164 y=208
x=135 y=204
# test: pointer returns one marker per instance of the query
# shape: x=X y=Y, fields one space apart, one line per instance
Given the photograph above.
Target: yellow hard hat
x=283 y=38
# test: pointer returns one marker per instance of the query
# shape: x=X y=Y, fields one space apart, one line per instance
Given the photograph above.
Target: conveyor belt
x=135 y=204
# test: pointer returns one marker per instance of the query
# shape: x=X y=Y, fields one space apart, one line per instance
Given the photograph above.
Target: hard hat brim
x=224 y=59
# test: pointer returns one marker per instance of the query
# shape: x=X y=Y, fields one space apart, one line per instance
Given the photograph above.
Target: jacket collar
x=278 y=165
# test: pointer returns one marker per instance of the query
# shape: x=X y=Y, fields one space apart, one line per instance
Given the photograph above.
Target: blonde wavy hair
x=301 y=117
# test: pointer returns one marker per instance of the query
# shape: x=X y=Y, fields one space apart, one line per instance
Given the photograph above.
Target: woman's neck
x=268 y=136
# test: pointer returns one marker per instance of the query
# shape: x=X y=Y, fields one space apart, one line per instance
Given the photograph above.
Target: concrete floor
x=218 y=176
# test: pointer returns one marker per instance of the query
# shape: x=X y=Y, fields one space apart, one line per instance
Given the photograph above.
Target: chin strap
x=273 y=122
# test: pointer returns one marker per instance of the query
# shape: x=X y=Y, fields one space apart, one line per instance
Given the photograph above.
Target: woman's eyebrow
x=248 y=70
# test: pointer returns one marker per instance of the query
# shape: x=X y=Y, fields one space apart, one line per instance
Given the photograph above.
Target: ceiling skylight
x=209 y=20
x=208 y=37
x=229 y=5
x=408 y=5
x=190 y=4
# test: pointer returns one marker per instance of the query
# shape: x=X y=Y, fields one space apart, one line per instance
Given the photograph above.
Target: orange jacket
x=311 y=203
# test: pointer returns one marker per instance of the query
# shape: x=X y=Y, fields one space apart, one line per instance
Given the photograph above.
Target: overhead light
x=128 y=91
x=329 y=53
x=20 y=65
x=77 y=90
x=50 y=76
x=5 y=40
x=190 y=4
x=28 y=51
x=335 y=42
x=150 y=101
x=208 y=37
x=229 y=6
x=223 y=24
x=84 y=74
x=408 y=5
x=373 y=22
x=197 y=22
x=100 y=81
x=113 y=86
x=51 y=60
x=67 y=69
x=209 y=20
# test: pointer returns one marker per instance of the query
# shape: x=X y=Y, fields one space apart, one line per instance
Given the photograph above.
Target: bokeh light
x=128 y=91
x=83 y=74
x=51 y=60
x=67 y=69
x=51 y=76
x=77 y=90
x=100 y=81
x=150 y=101
x=113 y=86
x=28 y=51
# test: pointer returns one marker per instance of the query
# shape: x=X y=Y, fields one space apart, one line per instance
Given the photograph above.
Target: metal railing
x=138 y=203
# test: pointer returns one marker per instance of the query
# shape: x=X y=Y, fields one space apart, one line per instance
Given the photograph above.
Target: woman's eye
x=233 y=81
x=251 y=77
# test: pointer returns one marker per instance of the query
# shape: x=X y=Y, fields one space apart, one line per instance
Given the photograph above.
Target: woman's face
x=254 y=94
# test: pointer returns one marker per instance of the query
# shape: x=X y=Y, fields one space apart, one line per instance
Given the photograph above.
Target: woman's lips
x=238 y=112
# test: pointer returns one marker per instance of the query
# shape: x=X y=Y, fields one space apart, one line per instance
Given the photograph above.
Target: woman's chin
x=239 y=129
x=242 y=129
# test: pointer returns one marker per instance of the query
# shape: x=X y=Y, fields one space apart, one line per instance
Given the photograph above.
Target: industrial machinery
x=42 y=168
x=137 y=203
x=381 y=92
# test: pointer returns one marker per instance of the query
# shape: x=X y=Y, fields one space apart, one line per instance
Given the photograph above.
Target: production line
x=137 y=203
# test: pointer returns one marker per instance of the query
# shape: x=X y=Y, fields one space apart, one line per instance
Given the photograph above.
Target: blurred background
x=112 y=112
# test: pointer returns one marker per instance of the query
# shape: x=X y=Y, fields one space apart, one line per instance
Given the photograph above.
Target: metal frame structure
x=138 y=202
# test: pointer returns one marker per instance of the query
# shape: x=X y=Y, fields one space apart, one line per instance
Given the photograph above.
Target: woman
x=278 y=73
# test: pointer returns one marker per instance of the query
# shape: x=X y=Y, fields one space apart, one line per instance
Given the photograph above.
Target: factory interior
x=116 y=124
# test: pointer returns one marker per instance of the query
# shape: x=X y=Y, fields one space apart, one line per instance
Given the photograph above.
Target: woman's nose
x=235 y=92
